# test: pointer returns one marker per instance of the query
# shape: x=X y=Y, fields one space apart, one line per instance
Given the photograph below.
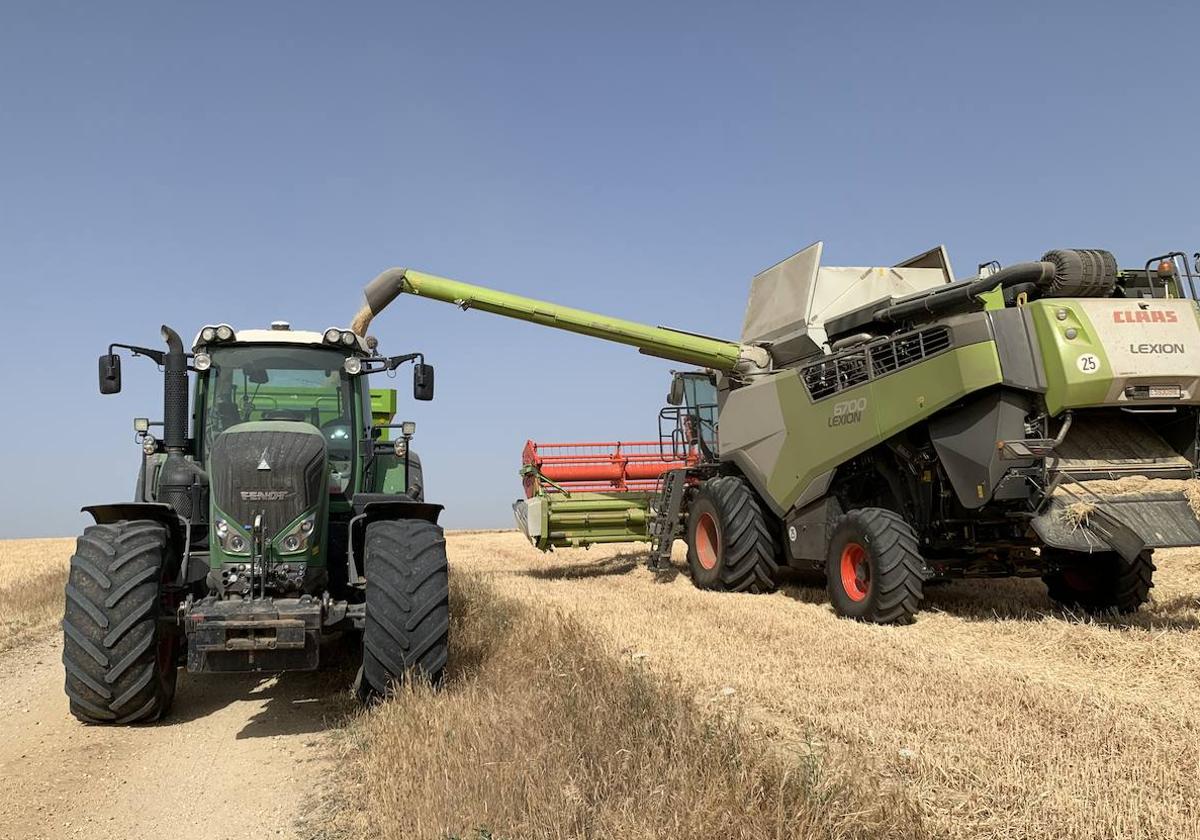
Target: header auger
x=891 y=425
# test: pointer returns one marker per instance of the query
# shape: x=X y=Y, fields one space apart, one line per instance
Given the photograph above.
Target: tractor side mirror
x=110 y=373
x=423 y=382
x=675 y=395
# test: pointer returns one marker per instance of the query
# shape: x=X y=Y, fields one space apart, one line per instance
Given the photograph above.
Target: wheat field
x=993 y=716
x=32 y=576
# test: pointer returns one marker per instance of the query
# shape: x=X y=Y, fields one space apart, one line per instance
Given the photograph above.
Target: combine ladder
x=667 y=524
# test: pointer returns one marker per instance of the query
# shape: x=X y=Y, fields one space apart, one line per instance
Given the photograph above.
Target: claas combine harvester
x=893 y=425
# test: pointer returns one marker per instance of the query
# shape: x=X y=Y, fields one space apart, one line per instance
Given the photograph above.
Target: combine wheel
x=1103 y=582
x=408 y=612
x=731 y=547
x=120 y=658
x=874 y=570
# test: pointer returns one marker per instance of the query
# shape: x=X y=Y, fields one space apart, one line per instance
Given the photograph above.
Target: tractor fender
x=164 y=514
x=374 y=506
x=153 y=511
x=371 y=507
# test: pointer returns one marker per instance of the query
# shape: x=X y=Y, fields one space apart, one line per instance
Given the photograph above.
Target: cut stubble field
x=589 y=697
x=994 y=715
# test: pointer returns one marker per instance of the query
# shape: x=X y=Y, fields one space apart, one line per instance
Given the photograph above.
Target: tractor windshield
x=302 y=384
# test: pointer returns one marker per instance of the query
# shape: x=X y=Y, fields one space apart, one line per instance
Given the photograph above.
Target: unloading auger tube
x=663 y=342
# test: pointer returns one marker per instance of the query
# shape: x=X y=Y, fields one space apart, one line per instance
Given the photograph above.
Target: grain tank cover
x=791 y=301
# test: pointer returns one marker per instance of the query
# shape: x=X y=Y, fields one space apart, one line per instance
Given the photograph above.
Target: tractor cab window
x=298 y=384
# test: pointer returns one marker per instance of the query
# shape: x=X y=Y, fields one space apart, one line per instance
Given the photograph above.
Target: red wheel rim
x=856 y=571
x=708 y=540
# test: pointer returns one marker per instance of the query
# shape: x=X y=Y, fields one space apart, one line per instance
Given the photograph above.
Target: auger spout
x=728 y=356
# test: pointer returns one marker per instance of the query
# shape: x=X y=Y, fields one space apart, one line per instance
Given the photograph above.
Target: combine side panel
x=789 y=432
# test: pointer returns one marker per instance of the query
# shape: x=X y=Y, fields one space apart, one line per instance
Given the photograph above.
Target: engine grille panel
x=280 y=472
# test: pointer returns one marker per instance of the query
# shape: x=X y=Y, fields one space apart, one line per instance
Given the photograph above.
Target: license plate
x=1164 y=392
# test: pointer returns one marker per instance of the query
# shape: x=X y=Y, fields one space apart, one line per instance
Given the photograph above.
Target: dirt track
x=237 y=756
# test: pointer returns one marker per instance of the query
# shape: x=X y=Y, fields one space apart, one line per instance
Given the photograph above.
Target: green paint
x=825 y=434
x=993 y=299
x=654 y=341
x=1067 y=385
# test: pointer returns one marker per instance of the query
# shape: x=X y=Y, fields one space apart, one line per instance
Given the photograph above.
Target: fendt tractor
x=287 y=514
x=892 y=426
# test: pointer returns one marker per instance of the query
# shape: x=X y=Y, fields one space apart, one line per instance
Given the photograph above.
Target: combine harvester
x=891 y=426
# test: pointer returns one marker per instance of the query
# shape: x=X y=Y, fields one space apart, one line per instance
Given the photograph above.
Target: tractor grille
x=293 y=483
x=866 y=362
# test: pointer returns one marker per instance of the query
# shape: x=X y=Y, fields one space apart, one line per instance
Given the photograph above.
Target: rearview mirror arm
x=155 y=356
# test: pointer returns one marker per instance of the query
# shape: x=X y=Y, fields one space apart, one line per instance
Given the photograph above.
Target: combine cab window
x=297 y=384
x=700 y=397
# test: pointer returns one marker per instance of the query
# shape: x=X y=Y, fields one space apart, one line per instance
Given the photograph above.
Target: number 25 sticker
x=1088 y=363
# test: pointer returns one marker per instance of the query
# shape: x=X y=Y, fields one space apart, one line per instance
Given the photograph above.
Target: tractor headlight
x=231 y=541
x=400 y=446
x=297 y=539
x=149 y=445
x=202 y=362
x=349 y=339
x=208 y=334
x=352 y=365
x=333 y=335
x=224 y=332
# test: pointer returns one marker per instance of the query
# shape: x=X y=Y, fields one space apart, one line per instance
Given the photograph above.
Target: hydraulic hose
x=1039 y=273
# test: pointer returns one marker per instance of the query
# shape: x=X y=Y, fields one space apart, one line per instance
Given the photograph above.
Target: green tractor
x=286 y=514
x=892 y=426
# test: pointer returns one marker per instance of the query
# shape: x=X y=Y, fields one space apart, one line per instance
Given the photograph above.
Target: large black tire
x=408 y=605
x=874 y=569
x=120 y=656
x=731 y=545
x=1102 y=582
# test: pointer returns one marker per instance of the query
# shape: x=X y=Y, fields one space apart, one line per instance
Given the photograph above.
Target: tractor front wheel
x=1100 y=582
x=408 y=605
x=731 y=547
x=120 y=650
x=874 y=569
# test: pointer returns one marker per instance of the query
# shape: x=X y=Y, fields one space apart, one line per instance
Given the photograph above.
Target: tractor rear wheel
x=1102 y=582
x=874 y=569
x=408 y=605
x=731 y=546
x=119 y=654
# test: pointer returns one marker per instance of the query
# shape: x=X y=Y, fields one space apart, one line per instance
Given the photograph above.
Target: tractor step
x=253 y=635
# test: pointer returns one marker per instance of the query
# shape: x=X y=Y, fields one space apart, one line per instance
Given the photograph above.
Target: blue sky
x=196 y=162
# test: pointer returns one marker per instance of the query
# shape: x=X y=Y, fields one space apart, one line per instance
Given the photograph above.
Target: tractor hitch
x=273 y=634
